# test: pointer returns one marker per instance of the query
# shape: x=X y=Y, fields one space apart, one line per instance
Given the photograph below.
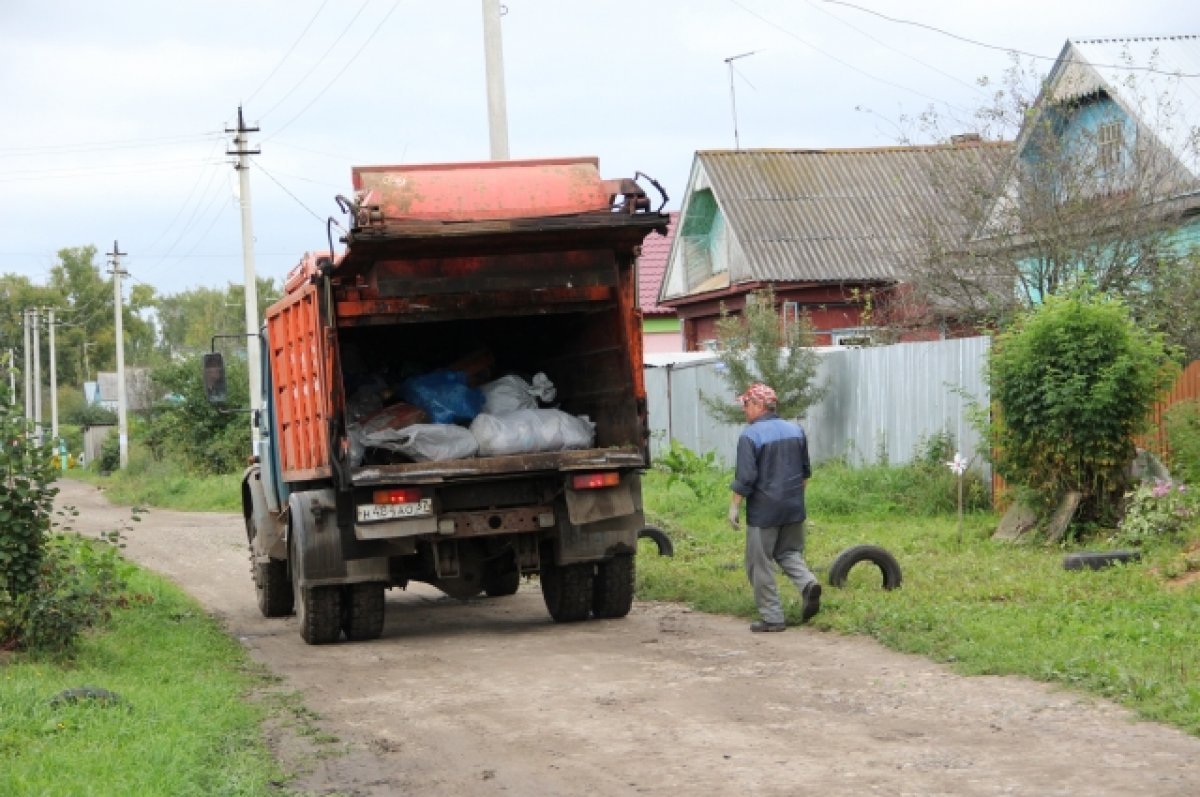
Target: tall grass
x=184 y=724
x=986 y=607
x=147 y=482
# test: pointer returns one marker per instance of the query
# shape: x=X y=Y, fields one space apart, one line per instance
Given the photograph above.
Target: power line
x=882 y=43
x=319 y=61
x=128 y=143
x=285 y=190
x=288 y=54
x=935 y=29
x=341 y=71
x=841 y=61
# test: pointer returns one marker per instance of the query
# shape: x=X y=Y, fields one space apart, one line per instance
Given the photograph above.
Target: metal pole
x=37 y=377
x=28 y=369
x=122 y=414
x=12 y=377
x=253 y=360
x=53 y=380
x=493 y=51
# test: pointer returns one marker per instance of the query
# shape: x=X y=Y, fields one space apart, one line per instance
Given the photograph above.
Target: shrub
x=79 y=582
x=192 y=433
x=699 y=472
x=1182 y=421
x=1156 y=511
x=1074 y=381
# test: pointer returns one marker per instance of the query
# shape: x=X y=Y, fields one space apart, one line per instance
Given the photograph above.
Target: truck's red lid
x=483 y=190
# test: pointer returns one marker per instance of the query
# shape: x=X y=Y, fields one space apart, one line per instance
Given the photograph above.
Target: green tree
x=1074 y=381
x=189 y=319
x=189 y=431
x=758 y=346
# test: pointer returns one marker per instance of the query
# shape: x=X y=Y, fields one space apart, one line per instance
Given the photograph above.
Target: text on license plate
x=370 y=512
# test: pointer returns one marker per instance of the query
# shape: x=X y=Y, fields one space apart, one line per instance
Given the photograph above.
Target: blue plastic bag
x=445 y=395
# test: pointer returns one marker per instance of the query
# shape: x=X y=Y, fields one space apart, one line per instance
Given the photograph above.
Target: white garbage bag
x=529 y=431
x=511 y=393
x=425 y=442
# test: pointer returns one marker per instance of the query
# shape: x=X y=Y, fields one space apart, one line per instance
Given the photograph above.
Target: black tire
x=612 y=590
x=1098 y=560
x=665 y=546
x=567 y=590
x=501 y=583
x=318 y=610
x=362 y=610
x=887 y=564
x=273 y=588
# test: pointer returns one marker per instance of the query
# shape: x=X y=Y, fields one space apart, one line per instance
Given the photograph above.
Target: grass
x=184 y=726
x=163 y=484
x=1122 y=633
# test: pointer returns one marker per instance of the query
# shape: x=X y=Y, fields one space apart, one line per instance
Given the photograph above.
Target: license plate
x=368 y=513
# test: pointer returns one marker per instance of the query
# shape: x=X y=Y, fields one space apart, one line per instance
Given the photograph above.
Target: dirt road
x=489 y=697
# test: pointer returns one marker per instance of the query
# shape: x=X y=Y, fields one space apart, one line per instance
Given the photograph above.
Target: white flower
x=958 y=465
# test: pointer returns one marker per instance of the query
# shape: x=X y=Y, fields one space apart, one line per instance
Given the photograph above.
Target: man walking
x=772 y=469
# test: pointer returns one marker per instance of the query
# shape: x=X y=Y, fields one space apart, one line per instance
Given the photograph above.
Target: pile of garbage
x=442 y=415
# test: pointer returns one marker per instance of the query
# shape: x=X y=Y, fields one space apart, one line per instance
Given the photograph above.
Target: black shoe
x=760 y=626
x=812 y=602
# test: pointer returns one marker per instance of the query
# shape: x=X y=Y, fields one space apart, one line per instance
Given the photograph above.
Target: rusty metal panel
x=300 y=385
x=483 y=190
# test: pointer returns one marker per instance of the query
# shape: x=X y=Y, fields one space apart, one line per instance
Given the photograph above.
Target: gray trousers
x=764 y=547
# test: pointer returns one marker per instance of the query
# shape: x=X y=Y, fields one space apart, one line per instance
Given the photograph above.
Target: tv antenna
x=733 y=96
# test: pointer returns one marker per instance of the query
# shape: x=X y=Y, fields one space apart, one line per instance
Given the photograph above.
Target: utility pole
x=122 y=415
x=28 y=373
x=12 y=377
x=53 y=384
x=242 y=149
x=737 y=144
x=37 y=375
x=493 y=51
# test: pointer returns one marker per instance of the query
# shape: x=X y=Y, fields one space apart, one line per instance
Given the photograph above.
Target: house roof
x=834 y=215
x=1156 y=79
x=652 y=265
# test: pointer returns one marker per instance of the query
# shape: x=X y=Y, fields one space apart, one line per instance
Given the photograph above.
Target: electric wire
x=967 y=40
x=842 y=61
x=285 y=190
x=288 y=54
x=319 y=61
x=128 y=143
x=973 y=86
x=334 y=79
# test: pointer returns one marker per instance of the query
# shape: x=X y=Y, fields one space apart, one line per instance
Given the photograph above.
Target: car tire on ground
x=889 y=568
x=660 y=538
x=1097 y=560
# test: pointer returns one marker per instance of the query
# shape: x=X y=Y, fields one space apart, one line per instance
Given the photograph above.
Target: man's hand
x=733 y=516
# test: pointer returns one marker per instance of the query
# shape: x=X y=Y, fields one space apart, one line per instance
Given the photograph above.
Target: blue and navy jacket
x=772 y=465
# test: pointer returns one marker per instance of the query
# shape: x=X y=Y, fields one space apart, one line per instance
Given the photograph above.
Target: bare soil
x=489 y=697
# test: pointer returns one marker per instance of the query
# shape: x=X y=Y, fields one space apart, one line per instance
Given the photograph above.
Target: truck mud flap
x=317 y=544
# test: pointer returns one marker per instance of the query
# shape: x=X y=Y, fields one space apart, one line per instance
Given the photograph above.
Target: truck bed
x=433 y=472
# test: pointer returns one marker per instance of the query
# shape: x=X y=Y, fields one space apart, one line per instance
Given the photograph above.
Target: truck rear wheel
x=567 y=590
x=362 y=610
x=318 y=609
x=273 y=588
x=612 y=594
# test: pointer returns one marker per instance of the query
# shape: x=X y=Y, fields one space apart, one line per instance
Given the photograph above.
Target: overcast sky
x=114 y=112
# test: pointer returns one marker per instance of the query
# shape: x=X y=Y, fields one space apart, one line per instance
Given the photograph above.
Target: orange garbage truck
x=455 y=398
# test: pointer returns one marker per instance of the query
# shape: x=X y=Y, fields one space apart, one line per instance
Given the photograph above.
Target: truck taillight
x=403 y=496
x=595 y=481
